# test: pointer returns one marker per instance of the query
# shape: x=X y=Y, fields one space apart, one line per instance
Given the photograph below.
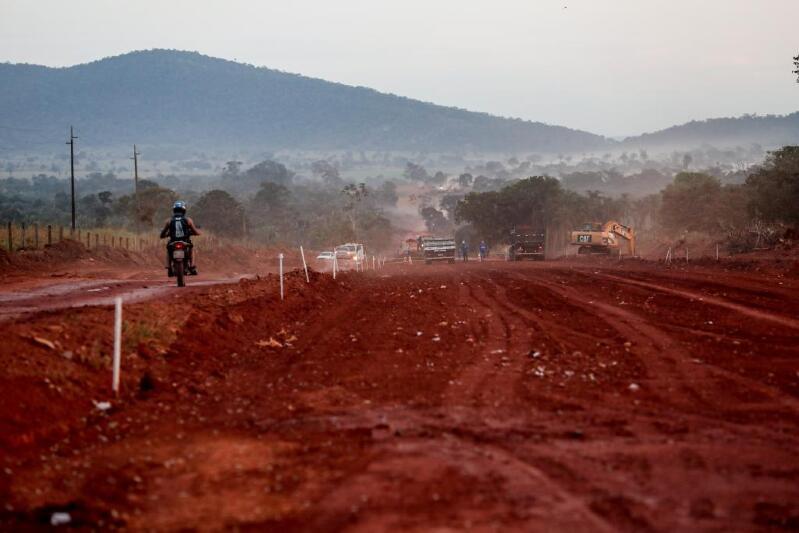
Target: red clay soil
x=573 y=396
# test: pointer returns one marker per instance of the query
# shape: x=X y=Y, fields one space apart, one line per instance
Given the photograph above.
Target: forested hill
x=187 y=99
x=770 y=131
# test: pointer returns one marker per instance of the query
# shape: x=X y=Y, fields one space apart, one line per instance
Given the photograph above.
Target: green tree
x=774 y=187
x=435 y=220
x=415 y=172
x=465 y=180
x=386 y=194
x=448 y=203
x=534 y=201
x=690 y=203
x=327 y=172
x=155 y=204
x=218 y=211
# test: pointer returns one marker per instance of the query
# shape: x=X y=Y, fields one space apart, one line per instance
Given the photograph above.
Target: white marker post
x=117 y=345
x=335 y=264
x=373 y=263
x=280 y=258
x=304 y=265
x=717 y=251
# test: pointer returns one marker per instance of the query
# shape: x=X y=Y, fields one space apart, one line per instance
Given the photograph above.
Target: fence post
x=49 y=235
x=117 y=345
x=96 y=240
x=280 y=258
x=304 y=265
x=127 y=243
x=10 y=238
x=36 y=235
x=112 y=241
x=23 y=236
x=60 y=233
x=88 y=240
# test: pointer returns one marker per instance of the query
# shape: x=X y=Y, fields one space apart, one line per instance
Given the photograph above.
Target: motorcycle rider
x=464 y=251
x=180 y=228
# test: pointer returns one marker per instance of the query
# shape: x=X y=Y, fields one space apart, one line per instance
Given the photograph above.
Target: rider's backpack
x=179 y=229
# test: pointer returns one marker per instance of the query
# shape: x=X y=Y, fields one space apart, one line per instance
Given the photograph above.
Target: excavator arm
x=625 y=232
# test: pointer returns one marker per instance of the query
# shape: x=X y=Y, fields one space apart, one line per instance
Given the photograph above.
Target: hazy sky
x=614 y=67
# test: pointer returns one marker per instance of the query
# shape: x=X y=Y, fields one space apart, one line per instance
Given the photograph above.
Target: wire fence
x=16 y=238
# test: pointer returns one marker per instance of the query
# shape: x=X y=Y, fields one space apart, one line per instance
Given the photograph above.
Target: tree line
x=692 y=202
x=265 y=203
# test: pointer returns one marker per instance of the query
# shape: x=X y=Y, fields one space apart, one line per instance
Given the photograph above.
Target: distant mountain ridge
x=765 y=130
x=189 y=100
x=185 y=98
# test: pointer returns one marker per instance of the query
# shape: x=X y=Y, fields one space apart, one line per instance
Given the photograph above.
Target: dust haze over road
x=568 y=395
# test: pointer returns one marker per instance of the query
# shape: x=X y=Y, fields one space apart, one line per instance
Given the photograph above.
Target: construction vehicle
x=606 y=239
x=526 y=243
x=438 y=249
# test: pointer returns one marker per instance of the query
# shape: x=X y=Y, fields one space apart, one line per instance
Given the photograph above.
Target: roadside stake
x=117 y=345
x=304 y=265
x=280 y=257
x=335 y=264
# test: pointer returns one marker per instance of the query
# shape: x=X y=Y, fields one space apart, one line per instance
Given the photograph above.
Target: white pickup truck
x=350 y=252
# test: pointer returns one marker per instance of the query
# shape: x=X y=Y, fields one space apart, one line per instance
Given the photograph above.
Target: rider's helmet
x=179 y=208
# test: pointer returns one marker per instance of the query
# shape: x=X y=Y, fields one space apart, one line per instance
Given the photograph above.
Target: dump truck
x=526 y=242
x=605 y=239
x=438 y=249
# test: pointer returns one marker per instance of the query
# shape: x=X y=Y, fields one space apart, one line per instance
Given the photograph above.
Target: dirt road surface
x=564 y=396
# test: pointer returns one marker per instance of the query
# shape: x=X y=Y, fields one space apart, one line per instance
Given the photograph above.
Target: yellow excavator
x=607 y=238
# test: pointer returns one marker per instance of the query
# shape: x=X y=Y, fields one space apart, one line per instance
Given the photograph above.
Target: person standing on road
x=464 y=251
x=483 y=250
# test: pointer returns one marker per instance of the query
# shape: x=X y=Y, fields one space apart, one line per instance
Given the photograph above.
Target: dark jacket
x=179 y=228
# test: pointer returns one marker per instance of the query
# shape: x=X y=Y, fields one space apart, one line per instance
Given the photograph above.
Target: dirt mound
x=64 y=253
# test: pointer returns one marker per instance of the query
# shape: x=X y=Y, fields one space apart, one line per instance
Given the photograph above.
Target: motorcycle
x=179 y=253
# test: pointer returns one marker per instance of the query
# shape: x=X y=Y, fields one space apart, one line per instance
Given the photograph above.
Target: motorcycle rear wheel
x=179 y=273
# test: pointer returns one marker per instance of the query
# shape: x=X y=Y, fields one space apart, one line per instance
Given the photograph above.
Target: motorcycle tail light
x=179 y=246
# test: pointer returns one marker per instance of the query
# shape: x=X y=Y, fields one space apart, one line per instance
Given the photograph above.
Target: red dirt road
x=497 y=396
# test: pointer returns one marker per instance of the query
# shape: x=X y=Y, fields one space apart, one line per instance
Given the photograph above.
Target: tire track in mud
x=508 y=322
x=710 y=300
x=665 y=357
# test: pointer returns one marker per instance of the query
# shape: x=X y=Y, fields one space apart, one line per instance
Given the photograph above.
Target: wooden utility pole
x=71 y=144
x=135 y=158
